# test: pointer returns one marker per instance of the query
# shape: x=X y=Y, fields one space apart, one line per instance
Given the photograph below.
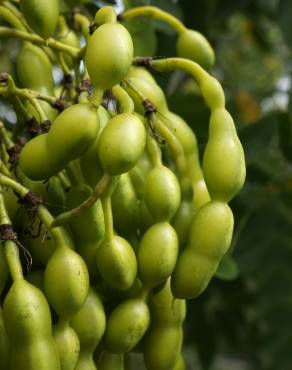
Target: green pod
x=157 y=254
x=11 y=202
x=4 y=272
x=89 y=162
x=146 y=219
x=41 y=16
x=180 y=363
x=108 y=66
x=198 y=262
x=126 y=325
x=162 y=193
x=66 y=281
x=36 y=162
x=89 y=324
x=223 y=160
x=73 y=132
x=121 y=143
x=125 y=207
x=34 y=69
x=182 y=131
x=165 y=309
x=111 y=361
x=150 y=91
x=141 y=74
x=116 y=262
x=182 y=220
x=88 y=228
x=194 y=46
x=70 y=38
x=27 y=320
x=4 y=344
x=162 y=346
x=67 y=343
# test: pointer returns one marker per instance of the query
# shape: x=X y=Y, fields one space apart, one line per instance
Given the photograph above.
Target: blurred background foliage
x=244 y=319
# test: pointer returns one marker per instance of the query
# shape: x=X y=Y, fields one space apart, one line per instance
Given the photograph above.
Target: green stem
x=96 y=98
x=36 y=39
x=72 y=174
x=12 y=258
x=211 y=89
x=153 y=150
x=156 y=13
x=108 y=217
x=99 y=189
x=84 y=24
x=126 y=103
x=4 y=217
x=4 y=135
x=7 y=15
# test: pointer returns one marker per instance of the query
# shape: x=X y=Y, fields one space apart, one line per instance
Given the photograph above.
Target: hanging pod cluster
x=109 y=218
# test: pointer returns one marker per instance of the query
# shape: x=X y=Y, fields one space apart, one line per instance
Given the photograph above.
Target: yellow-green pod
x=141 y=73
x=125 y=207
x=4 y=344
x=66 y=281
x=121 y=143
x=42 y=16
x=36 y=162
x=89 y=162
x=106 y=65
x=182 y=221
x=73 y=132
x=126 y=325
x=223 y=161
x=67 y=343
x=157 y=254
x=89 y=324
x=111 y=361
x=162 y=346
x=4 y=272
x=194 y=46
x=165 y=309
x=150 y=91
x=210 y=238
x=27 y=320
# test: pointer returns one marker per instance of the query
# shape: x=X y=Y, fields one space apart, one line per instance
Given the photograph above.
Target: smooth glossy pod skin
x=4 y=272
x=164 y=308
x=89 y=162
x=36 y=162
x=111 y=361
x=67 y=343
x=27 y=320
x=89 y=323
x=66 y=281
x=42 y=16
x=210 y=238
x=34 y=69
x=125 y=207
x=4 y=344
x=106 y=65
x=151 y=91
x=73 y=132
x=116 y=262
x=88 y=228
x=162 y=193
x=121 y=143
x=141 y=73
x=161 y=347
x=194 y=46
x=223 y=160
x=180 y=364
x=126 y=325
x=182 y=221
x=157 y=254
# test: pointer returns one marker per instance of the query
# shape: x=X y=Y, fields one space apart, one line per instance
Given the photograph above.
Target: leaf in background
x=285 y=135
x=227 y=269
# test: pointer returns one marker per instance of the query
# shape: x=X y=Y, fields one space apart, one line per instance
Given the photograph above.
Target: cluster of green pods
x=117 y=217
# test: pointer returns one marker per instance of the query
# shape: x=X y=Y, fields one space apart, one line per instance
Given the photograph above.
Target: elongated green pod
x=198 y=262
x=42 y=16
x=89 y=324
